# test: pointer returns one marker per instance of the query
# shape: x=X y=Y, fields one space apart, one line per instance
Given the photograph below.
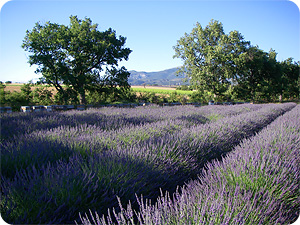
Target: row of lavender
x=36 y=147
x=52 y=171
x=112 y=118
x=257 y=183
x=99 y=132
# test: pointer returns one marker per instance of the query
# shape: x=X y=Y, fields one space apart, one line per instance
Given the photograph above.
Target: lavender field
x=152 y=165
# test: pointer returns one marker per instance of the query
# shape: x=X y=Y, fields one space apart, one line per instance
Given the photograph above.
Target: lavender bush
x=55 y=138
x=112 y=118
x=115 y=152
x=203 y=141
x=257 y=183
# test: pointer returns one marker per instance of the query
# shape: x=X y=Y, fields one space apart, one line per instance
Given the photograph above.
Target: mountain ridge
x=163 y=77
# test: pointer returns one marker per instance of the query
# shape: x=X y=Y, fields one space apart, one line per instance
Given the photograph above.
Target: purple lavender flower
x=55 y=165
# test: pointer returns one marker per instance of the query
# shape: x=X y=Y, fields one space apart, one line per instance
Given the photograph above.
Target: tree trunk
x=82 y=98
x=252 y=86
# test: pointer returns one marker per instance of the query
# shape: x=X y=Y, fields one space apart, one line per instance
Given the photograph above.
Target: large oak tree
x=79 y=56
x=210 y=57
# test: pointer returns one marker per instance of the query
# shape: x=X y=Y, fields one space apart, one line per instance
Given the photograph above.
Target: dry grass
x=17 y=87
x=12 y=88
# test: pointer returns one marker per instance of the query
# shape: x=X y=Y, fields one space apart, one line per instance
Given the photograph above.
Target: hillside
x=164 y=77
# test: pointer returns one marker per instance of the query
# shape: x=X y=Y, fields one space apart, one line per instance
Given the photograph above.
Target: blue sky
x=152 y=28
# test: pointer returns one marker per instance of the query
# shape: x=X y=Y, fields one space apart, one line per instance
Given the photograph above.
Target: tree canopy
x=79 y=56
x=210 y=56
x=226 y=64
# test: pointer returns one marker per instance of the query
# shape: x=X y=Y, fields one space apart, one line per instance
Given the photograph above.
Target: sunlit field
x=139 y=89
x=159 y=90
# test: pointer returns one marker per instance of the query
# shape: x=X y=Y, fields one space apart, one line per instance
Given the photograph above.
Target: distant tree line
x=231 y=68
x=38 y=94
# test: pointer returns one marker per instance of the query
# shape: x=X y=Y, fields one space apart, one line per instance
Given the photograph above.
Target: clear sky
x=152 y=28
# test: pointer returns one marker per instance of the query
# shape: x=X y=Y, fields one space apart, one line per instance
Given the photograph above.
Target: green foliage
x=197 y=96
x=109 y=95
x=39 y=95
x=152 y=98
x=16 y=99
x=249 y=84
x=69 y=96
x=27 y=92
x=290 y=80
x=184 y=88
x=149 y=97
x=264 y=79
x=127 y=95
x=211 y=57
x=75 y=55
x=174 y=97
x=2 y=94
x=42 y=96
x=230 y=68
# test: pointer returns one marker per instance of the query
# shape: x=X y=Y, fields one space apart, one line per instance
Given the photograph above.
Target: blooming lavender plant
x=55 y=193
x=116 y=153
x=257 y=183
x=110 y=118
x=57 y=135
